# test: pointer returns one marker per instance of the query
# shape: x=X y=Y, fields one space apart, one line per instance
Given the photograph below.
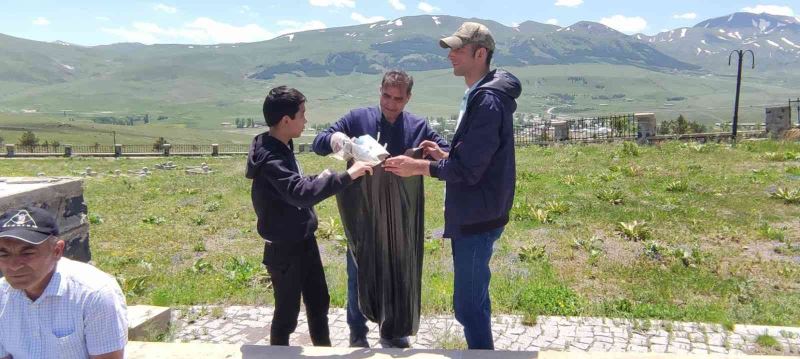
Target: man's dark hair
x=282 y=101
x=398 y=78
x=489 y=53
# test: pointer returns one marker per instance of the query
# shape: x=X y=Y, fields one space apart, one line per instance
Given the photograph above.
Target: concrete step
x=136 y=350
x=147 y=323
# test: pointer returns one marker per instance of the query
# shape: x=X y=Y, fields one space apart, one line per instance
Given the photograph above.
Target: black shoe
x=395 y=342
x=358 y=341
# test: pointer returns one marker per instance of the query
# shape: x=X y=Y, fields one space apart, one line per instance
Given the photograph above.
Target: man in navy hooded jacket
x=480 y=174
x=399 y=130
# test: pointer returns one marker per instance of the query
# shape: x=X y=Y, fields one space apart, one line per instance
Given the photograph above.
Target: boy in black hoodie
x=283 y=200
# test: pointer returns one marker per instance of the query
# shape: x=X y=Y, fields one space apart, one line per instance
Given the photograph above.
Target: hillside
x=201 y=86
x=774 y=39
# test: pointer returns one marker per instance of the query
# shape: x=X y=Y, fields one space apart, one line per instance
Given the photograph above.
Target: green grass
x=766 y=341
x=717 y=250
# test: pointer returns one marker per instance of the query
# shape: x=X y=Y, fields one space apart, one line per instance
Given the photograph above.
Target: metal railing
x=234 y=148
x=92 y=149
x=39 y=149
x=603 y=128
x=190 y=149
x=582 y=129
x=534 y=134
x=141 y=149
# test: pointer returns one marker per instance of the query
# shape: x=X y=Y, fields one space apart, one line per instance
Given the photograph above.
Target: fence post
x=560 y=130
x=215 y=149
x=117 y=150
x=167 y=147
x=779 y=120
x=10 y=150
x=645 y=127
x=67 y=150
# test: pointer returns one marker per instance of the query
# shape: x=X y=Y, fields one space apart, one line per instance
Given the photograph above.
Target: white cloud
x=770 y=9
x=366 y=20
x=102 y=18
x=427 y=8
x=551 y=21
x=246 y=10
x=628 y=25
x=336 y=3
x=569 y=3
x=165 y=8
x=686 y=16
x=202 y=30
x=397 y=5
x=41 y=21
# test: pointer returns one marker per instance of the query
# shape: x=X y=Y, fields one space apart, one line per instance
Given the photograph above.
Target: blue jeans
x=471 y=303
x=355 y=320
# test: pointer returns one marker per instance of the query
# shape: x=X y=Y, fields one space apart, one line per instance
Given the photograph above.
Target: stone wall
x=61 y=196
x=778 y=120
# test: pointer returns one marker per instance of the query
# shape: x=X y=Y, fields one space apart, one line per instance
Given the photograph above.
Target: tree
x=681 y=125
x=146 y=118
x=250 y=122
x=28 y=139
x=55 y=144
x=2 y=140
x=159 y=144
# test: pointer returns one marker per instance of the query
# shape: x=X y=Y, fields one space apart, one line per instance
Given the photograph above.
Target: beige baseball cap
x=469 y=33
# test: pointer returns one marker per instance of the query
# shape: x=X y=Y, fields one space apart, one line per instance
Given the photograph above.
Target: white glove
x=338 y=140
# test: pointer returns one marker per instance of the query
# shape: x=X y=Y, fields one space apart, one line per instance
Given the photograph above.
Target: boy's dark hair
x=282 y=101
x=398 y=78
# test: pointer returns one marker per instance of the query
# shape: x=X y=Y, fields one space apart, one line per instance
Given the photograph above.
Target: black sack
x=383 y=219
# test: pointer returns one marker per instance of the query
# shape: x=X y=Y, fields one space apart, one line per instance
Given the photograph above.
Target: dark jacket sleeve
x=302 y=191
x=470 y=157
x=431 y=135
x=322 y=143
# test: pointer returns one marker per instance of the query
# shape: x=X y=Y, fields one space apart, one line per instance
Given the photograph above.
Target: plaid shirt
x=81 y=312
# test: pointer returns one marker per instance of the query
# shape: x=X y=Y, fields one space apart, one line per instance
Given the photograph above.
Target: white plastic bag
x=364 y=148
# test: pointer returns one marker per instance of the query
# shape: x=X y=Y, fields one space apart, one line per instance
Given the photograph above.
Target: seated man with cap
x=53 y=307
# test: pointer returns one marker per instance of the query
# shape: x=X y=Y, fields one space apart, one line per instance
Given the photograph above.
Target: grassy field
x=674 y=231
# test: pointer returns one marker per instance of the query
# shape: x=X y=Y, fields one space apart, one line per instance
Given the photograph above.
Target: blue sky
x=94 y=22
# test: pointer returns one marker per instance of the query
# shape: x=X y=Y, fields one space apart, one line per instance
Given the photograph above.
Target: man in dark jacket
x=283 y=199
x=399 y=130
x=479 y=172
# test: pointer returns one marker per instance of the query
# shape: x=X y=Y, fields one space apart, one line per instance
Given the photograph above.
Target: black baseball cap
x=30 y=224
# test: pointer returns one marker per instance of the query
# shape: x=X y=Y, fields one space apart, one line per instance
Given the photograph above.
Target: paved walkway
x=250 y=325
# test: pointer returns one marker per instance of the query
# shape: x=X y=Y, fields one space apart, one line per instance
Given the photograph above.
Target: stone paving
x=250 y=325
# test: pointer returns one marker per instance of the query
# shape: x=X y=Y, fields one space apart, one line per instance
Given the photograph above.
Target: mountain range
x=410 y=43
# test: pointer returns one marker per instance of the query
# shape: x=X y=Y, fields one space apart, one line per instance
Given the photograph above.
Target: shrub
x=677 y=186
x=530 y=254
x=635 y=231
x=630 y=149
x=790 y=196
x=28 y=138
x=612 y=196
